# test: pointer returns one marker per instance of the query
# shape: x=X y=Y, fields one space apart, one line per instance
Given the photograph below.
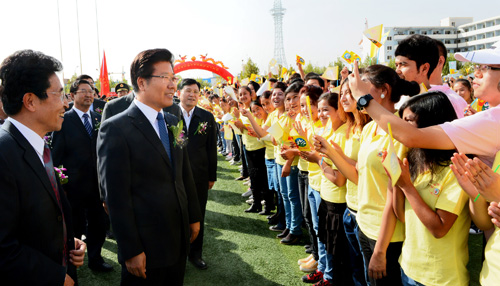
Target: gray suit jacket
x=118 y=105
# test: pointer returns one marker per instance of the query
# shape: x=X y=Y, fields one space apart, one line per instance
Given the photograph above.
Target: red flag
x=103 y=77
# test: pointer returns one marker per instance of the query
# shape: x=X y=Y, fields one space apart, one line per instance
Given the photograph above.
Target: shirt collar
x=34 y=139
x=148 y=111
x=81 y=113
x=186 y=113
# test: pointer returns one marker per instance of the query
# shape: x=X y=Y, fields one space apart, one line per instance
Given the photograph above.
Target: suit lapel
x=77 y=121
x=32 y=159
x=140 y=121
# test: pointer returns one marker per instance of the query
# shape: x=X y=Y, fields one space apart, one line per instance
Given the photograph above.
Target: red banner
x=198 y=65
x=103 y=77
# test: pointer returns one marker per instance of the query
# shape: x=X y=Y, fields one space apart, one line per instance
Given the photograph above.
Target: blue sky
x=228 y=30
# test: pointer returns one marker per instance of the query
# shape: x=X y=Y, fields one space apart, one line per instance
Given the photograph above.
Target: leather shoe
x=199 y=263
x=290 y=239
x=254 y=208
x=283 y=234
x=101 y=267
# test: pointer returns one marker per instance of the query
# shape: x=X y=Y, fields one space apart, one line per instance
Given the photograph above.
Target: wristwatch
x=364 y=101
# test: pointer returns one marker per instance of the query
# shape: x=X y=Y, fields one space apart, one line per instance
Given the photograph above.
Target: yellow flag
x=391 y=161
x=300 y=141
x=374 y=34
x=276 y=131
x=308 y=101
x=355 y=57
x=253 y=77
x=331 y=73
x=300 y=60
x=347 y=56
x=283 y=72
x=228 y=133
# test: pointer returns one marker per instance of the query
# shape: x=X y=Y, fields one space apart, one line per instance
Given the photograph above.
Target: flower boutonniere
x=97 y=125
x=180 y=138
x=202 y=128
x=48 y=140
x=60 y=173
x=98 y=110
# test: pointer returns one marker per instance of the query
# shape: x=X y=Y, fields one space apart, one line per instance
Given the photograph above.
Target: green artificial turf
x=238 y=247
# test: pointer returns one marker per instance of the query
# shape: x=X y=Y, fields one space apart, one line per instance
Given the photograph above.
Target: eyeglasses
x=485 y=68
x=85 y=91
x=171 y=78
x=57 y=93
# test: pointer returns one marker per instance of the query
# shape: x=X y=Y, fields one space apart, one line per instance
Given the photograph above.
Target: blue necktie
x=87 y=124
x=164 y=134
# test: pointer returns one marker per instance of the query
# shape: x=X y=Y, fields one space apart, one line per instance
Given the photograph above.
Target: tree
x=446 y=67
x=203 y=83
x=249 y=68
x=338 y=62
x=392 y=64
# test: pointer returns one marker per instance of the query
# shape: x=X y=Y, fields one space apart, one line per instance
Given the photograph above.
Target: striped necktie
x=162 y=128
x=87 y=124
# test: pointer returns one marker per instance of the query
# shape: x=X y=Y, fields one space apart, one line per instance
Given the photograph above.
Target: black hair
x=314 y=92
x=332 y=98
x=309 y=75
x=421 y=49
x=255 y=102
x=442 y=50
x=188 y=81
x=465 y=83
x=319 y=79
x=25 y=71
x=142 y=65
x=247 y=88
x=430 y=108
x=295 y=87
x=380 y=75
x=255 y=85
x=74 y=86
x=273 y=80
x=280 y=85
x=296 y=79
x=266 y=94
x=85 y=77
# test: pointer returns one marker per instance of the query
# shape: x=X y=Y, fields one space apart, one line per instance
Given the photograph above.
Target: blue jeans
x=351 y=232
x=289 y=187
x=272 y=180
x=325 y=259
x=407 y=281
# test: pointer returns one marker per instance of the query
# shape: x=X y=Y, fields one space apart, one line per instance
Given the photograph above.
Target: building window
x=412 y=32
x=388 y=58
x=389 y=38
x=424 y=33
x=389 y=48
x=447 y=32
x=447 y=41
x=453 y=24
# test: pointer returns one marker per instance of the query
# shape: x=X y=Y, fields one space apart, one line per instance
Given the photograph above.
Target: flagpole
x=60 y=39
x=97 y=25
x=79 y=46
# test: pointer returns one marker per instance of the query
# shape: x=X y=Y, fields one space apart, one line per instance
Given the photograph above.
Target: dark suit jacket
x=202 y=148
x=98 y=103
x=73 y=148
x=118 y=105
x=151 y=203
x=31 y=224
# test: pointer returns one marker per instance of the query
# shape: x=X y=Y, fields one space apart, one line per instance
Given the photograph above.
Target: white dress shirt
x=150 y=114
x=34 y=139
x=81 y=113
x=188 y=115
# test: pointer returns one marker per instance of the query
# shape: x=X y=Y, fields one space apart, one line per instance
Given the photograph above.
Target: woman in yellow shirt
x=432 y=204
x=374 y=219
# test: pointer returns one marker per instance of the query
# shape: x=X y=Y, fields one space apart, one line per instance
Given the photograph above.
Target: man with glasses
x=98 y=104
x=120 y=104
x=36 y=231
x=146 y=178
x=74 y=147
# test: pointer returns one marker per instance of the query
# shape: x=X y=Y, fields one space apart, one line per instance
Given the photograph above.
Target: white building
x=459 y=34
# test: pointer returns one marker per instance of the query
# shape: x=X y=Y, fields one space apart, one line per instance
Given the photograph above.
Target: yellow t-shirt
x=313 y=168
x=286 y=123
x=373 y=182
x=302 y=164
x=329 y=191
x=351 y=150
x=490 y=274
x=271 y=119
x=269 y=149
x=252 y=143
x=437 y=261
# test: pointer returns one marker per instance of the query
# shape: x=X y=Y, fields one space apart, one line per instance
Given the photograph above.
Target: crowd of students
x=325 y=174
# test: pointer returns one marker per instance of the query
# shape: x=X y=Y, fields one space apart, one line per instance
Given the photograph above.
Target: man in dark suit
x=36 y=234
x=120 y=104
x=146 y=178
x=74 y=147
x=201 y=131
x=98 y=104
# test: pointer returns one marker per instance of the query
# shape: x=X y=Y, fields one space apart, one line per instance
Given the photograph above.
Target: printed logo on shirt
x=435 y=189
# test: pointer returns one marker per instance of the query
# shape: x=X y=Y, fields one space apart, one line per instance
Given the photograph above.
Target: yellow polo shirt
x=313 y=168
x=373 y=182
x=329 y=191
x=437 y=261
x=302 y=164
x=490 y=274
x=351 y=150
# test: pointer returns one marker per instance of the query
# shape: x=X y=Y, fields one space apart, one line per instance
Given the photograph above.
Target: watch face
x=362 y=101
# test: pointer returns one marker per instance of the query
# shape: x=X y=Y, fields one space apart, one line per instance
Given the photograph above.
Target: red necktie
x=49 y=168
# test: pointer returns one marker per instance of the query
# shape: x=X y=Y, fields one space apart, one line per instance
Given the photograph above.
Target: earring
x=382 y=96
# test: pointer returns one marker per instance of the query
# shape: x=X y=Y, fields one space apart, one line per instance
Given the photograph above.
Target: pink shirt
x=459 y=104
x=478 y=134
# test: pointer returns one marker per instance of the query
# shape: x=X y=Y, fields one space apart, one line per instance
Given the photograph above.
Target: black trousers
x=236 y=148
x=393 y=278
x=173 y=275
x=89 y=218
x=258 y=177
x=196 y=249
x=306 y=211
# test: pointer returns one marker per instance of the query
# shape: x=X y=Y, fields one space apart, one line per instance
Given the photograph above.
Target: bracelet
x=477 y=197
x=321 y=163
